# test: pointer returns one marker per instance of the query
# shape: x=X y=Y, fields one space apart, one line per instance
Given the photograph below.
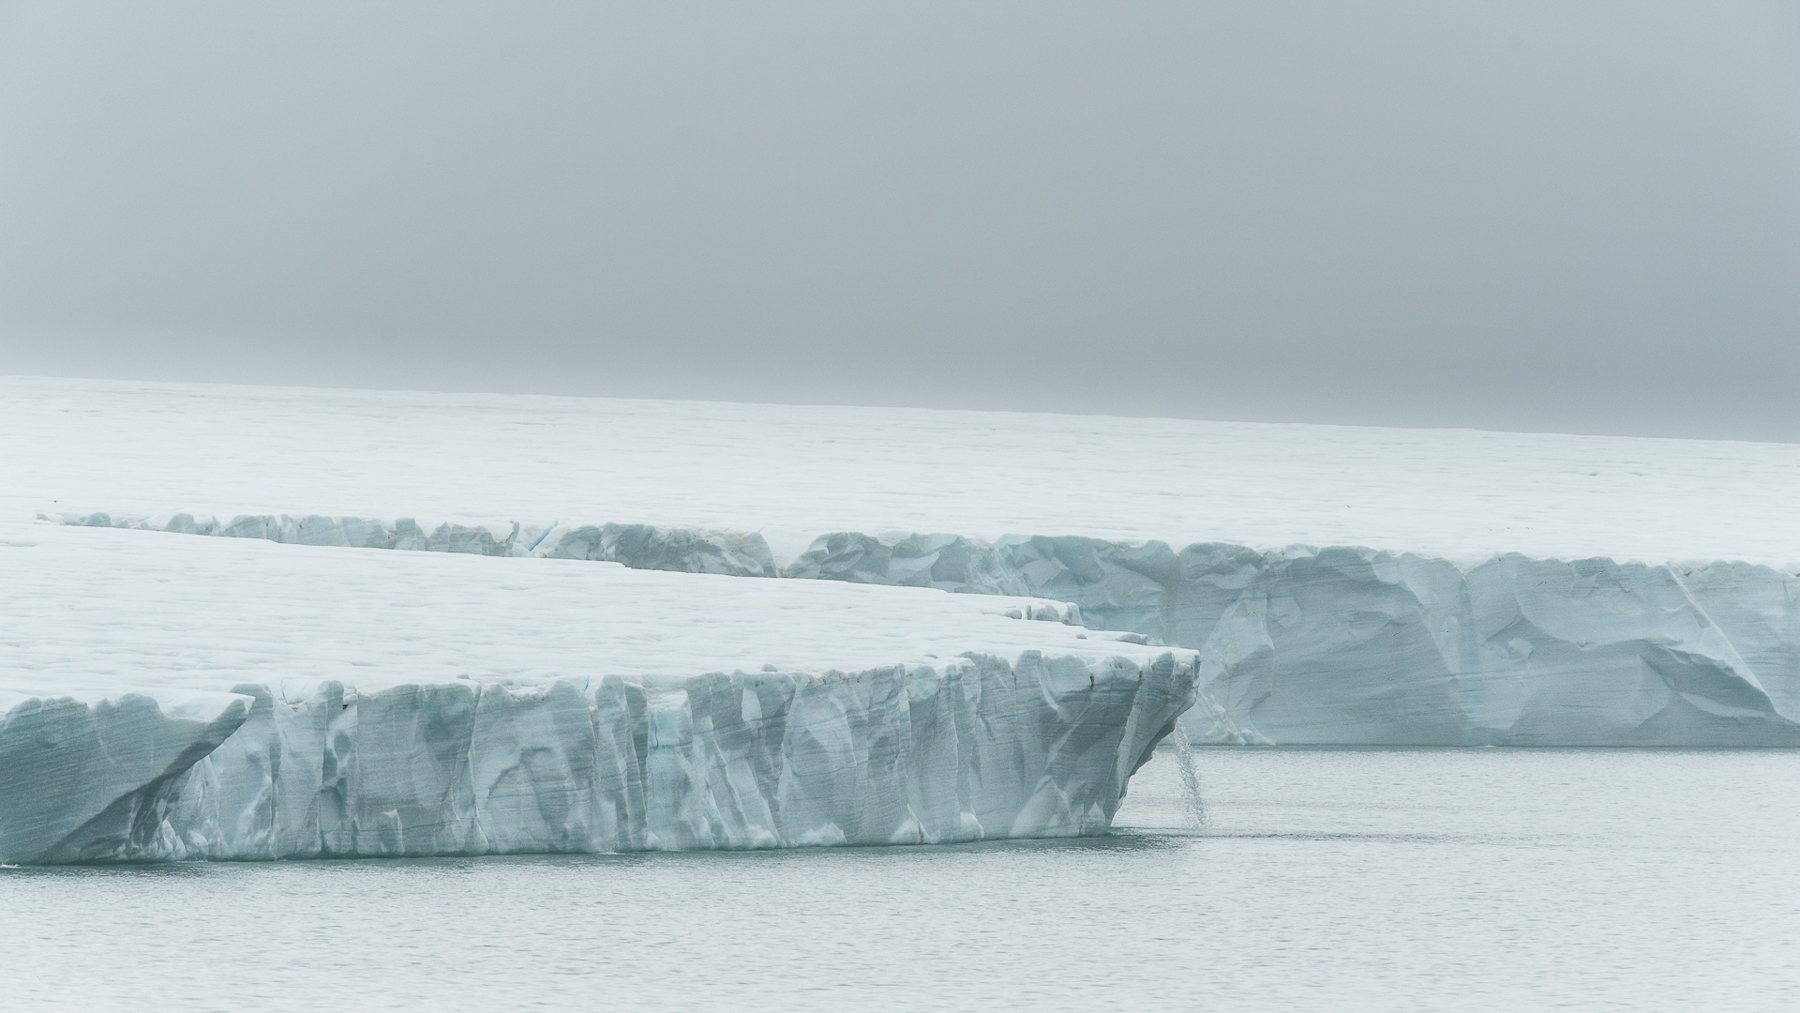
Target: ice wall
x=1354 y=646
x=1302 y=645
x=973 y=748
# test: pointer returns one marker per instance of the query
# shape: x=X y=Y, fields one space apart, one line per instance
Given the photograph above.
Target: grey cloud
x=1558 y=216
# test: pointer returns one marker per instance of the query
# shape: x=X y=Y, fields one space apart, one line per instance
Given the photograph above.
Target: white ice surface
x=180 y=697
x=111 y=610
x=797 y=472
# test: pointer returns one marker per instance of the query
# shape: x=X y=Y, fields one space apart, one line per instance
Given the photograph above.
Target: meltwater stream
x=1190 y=777
x=1337 y=879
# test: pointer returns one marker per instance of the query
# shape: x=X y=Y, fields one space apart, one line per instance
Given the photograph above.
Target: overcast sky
x=1570 y=216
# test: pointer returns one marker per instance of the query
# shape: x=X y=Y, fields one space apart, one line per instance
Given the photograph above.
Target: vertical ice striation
x=978 y=747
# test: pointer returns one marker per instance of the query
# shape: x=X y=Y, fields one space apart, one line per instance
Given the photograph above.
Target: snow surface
x=183 y=697
x=794 y=473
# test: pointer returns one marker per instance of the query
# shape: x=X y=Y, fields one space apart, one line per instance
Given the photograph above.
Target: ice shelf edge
x=976 y=748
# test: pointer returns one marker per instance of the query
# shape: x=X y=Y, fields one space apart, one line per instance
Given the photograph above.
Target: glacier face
x=216 y=698
x=971 y=749
x=1351 y=646
x=1304 y=645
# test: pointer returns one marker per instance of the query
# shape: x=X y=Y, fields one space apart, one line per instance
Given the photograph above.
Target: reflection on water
x=1379 y=879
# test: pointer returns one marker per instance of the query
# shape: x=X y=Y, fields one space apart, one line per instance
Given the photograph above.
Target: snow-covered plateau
x=1341 y=585
x=210 y=698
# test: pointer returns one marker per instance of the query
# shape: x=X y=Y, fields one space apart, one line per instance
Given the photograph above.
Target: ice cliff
x=1347 y=645
x=972 y=749
x=203 y=698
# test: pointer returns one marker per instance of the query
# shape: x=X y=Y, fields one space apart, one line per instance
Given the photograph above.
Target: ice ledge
x=973 y=748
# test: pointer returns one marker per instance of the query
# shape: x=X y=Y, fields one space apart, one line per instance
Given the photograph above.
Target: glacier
x=1341 y=585
x=1302 y=646
x=218 y=699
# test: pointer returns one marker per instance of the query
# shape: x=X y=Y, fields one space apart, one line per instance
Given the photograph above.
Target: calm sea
x=1320 y=879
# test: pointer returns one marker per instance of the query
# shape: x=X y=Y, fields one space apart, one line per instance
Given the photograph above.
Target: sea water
x=1322 y=879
